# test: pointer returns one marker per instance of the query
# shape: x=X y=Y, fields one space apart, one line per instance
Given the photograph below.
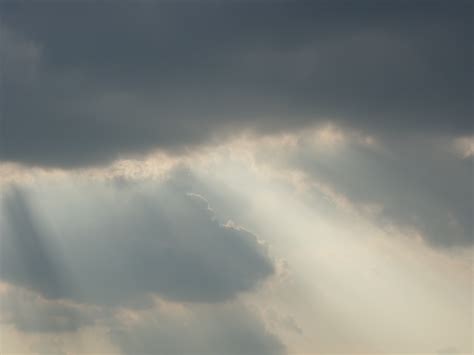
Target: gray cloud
x=92 y=82
x=110 y=244
x=417 y=184
x=32 y=314
x=229 y=329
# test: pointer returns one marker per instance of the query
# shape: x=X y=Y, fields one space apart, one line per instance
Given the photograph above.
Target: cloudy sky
x=236 y=177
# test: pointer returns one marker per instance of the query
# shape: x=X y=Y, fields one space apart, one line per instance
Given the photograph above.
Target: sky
x=236 y=177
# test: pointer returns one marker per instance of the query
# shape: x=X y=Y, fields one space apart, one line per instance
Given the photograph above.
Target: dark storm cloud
x=87 y=82
x=117 y=243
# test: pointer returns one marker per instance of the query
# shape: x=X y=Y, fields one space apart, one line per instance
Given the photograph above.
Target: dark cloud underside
x=86 y=82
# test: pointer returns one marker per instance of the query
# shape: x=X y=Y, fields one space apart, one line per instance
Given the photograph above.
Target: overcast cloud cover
x=104 y=80
x=255 y=177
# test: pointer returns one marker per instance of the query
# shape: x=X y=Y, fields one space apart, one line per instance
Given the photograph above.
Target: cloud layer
x=144 y=76
x=230 y=329
x=31 y=313
x=338 y=132
x=418 y=185
x=113 y=244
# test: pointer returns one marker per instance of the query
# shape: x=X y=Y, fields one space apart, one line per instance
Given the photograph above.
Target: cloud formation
x=312 y=124
x=231 y=329
x=134 y=78
x=30 y=313
x=415 y=185
x=112 y=244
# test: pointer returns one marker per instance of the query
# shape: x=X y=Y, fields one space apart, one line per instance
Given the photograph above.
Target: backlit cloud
x=126 y=241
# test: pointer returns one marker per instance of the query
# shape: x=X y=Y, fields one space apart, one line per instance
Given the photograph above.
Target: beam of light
x=357 y=287
x=353 y=287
